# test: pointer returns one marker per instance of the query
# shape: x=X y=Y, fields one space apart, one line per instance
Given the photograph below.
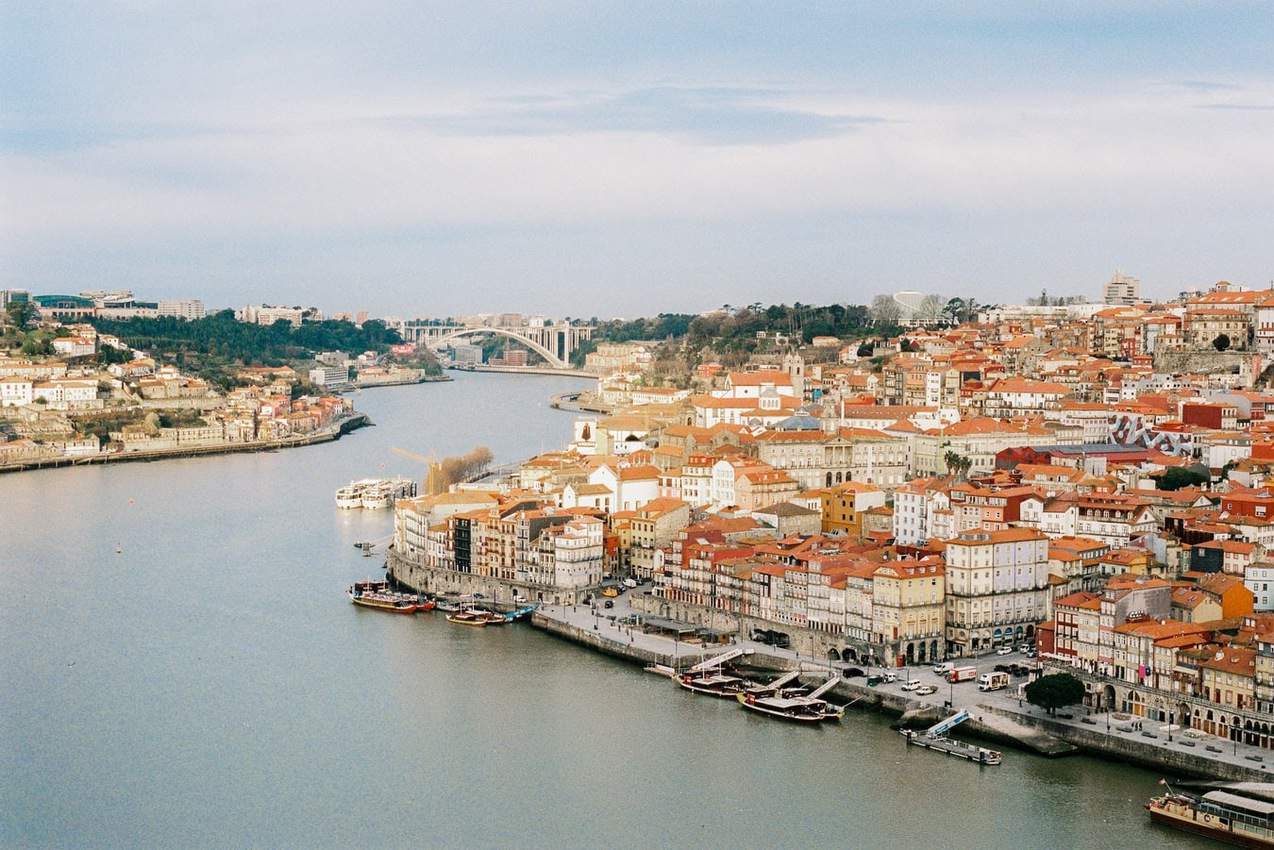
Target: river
x=210 y=685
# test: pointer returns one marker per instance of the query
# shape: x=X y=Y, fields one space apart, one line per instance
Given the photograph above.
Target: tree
x=931 y=309
x=1222 y=342
x=885 y=310
x=20 y=313
x=1056 y=691
x=957 y=463
x=866 y=349
x=1178 y=477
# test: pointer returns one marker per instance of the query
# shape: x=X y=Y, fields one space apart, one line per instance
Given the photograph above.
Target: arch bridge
x=555 y=343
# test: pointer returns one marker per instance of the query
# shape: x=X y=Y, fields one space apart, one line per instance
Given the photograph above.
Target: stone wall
x=1208 y=362
x=1156 y=754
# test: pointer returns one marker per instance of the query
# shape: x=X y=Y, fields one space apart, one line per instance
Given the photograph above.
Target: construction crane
x=434 y=483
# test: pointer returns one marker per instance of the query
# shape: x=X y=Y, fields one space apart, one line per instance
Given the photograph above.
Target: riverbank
x=325 y=435
x=571 y=401
x=993 y=718
x=402 y=382
x=997 y=717
x=526 y=370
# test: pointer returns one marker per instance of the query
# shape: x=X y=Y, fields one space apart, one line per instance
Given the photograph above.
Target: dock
x=935 y=738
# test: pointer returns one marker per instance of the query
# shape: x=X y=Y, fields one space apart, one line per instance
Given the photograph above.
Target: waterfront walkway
x=983 y=706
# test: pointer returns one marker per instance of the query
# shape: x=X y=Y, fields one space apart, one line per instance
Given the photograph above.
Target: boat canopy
x=1259 y=808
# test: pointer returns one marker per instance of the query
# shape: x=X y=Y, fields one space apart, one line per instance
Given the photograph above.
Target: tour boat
x=375 y=493
x=1220 y=815
x=349 y=497
x=378 y=595
x=714 y=684
x=801 y=709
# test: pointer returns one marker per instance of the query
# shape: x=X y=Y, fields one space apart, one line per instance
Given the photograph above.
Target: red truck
x=962 y=674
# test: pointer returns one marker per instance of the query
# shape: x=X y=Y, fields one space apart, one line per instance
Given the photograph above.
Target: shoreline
x=525 y=370
x=403 y=382
x=329 y=434
x=1020 y=729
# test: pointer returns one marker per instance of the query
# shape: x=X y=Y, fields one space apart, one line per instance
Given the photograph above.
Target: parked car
x=888 y=676
x=609 y=604
x=1004 y=668
x=629 y=583
x=1004 y=650
x=925 y=690
x=943 y=668
x=911 y=685
x=852 y=673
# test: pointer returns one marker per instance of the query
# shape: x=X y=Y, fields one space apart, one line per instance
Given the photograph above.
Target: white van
x=943 y=668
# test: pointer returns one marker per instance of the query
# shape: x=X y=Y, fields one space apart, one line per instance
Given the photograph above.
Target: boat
x=520 y=613
x=467 y=618
x=375 y=493
x=476 y=617
x=800 y=708
x=379 y=595
x=1226 y=816
x=714 y=684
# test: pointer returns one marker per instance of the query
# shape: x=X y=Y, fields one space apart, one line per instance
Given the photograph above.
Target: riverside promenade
x=1000 y=716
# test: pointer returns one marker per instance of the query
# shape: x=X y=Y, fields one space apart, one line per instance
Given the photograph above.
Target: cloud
x=1238 y=107
x=704 y=115
x=1205 y=85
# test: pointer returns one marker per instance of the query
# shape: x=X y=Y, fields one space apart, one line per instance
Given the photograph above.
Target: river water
x=210 y=685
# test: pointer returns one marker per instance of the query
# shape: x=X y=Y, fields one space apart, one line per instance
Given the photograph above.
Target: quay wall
x=327 y=435
x=571 y=401
x=598 y=642
x=1153 y=754
x=526 y=370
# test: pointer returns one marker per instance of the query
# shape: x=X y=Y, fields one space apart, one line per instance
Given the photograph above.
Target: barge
x=1227 y=816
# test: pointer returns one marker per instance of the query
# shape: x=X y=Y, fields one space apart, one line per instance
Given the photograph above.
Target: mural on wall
x=1131 y=429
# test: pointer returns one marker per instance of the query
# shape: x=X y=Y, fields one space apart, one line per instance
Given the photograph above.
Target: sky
x=622 y=159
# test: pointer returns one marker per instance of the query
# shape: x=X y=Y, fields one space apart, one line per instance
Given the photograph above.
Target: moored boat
x=714 y=684
x=379 y=595
x=1221 y=815
x=375 y=493
x=798 y=708
x=470 y=617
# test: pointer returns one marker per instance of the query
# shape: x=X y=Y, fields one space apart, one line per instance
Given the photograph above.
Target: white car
x=889 y=677
x=1004 y=650
x=925 y=690
x=911 y=685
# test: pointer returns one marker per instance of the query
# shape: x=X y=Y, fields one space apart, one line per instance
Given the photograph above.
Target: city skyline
x=589 y=161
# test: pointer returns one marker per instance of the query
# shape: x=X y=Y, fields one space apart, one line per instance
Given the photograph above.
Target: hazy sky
x=601 y=158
